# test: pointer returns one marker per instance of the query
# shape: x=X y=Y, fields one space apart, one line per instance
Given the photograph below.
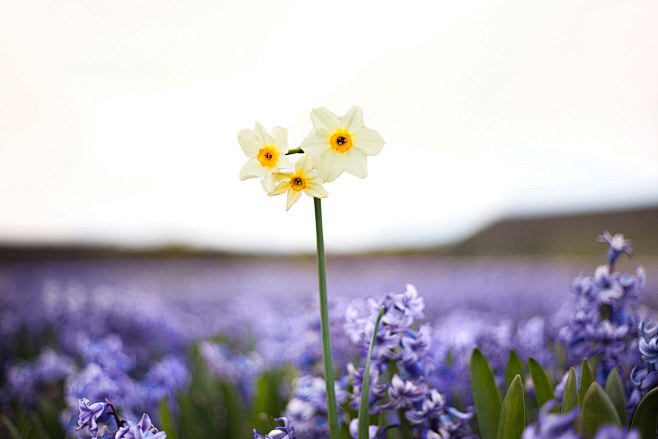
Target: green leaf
x=485 y=395
x=570 y=395
x=11 y=428
x=512 y=413
x=364 y=405
x=615 y=390
x=167 y=419
x=586 y=379
x=514 y=368
x=645 y=419
x=598 y=410
x=543 y=388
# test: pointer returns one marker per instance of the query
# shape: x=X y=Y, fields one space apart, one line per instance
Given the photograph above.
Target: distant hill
x=563 y=235
x=546 y=236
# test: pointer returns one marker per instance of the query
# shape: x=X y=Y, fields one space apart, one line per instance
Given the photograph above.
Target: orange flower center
x=267 y=156
x=341 y=141
x=297 y=183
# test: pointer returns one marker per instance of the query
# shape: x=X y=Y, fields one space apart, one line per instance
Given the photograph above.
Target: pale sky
x=118 y=120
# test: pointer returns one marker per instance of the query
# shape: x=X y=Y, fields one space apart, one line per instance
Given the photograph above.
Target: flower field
x=220 y=348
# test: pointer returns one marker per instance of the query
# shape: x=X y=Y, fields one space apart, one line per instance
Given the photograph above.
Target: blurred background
x=507 y=120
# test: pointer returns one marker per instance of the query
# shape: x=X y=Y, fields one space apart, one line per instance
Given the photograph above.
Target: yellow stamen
x=341 y=141
x=267 y=156
x=297 y=183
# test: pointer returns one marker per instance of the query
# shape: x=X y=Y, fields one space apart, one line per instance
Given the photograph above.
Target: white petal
x=283 y=162
x=316 y=143
x=262 y=136
x=302 y=164
x=251 y=169
x=330 y=165
x=293 y=196
x=354 y=162
x=352 y=120
x=269 y=183
x=323 y=118
x=315 y=189
x=368 y=141
x=281 y=188
x=248 y=142
x=280 y=139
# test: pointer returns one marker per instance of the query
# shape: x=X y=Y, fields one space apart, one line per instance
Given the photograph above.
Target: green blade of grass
x=364 y=405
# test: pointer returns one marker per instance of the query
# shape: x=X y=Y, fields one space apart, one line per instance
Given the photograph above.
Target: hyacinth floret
x=91 y=414
x=142 y=430
x=551 y=426
x=616 y=245
x=285 y=431
x=432 y=406
x=647 y=378
x=403 y=393
x=374 y=431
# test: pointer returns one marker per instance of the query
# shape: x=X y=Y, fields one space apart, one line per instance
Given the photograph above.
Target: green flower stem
x=295 y=151
x=332 y=412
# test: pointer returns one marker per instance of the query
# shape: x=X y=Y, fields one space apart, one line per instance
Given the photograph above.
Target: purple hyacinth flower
x=617 y=245
x=415 y=344
x=403 y=393
x=553 y=426
x=144 y=429
x=431 y=408
x=612 y=432
x=91 y=414
x=285 y=431
x=649 y=342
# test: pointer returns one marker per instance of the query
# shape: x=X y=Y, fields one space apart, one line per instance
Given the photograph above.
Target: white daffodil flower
x=305 y=179
x=341 y=143
x=266 y=152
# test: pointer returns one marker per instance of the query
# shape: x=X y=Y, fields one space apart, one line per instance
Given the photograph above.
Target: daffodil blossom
x=266 y=152
x=341 y=143
x=304 y=178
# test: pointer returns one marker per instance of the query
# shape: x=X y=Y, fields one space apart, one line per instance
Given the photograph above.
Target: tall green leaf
x=485 y=395
x=512 y=413
x=543 y=388
x=11 y=428
x=615 y=390
x=598 y=410
x=586 y=379
x=514 y=368
x=645 y=419
x=570 y=394
x=364 y=405
x=167 y=423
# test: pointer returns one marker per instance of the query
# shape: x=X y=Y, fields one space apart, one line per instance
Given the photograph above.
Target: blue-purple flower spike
x=617 y=245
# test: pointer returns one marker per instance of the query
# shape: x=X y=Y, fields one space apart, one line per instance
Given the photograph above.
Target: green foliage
x=12 y=430
x=543 y=388
x=485 y=395
x=167 y=420
x=645 y=419
x=586 y=379
x=514 y=367
x=364 y=405
x=597 y=410
x=570 y=394
x=512 y=414
x=615 y=390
